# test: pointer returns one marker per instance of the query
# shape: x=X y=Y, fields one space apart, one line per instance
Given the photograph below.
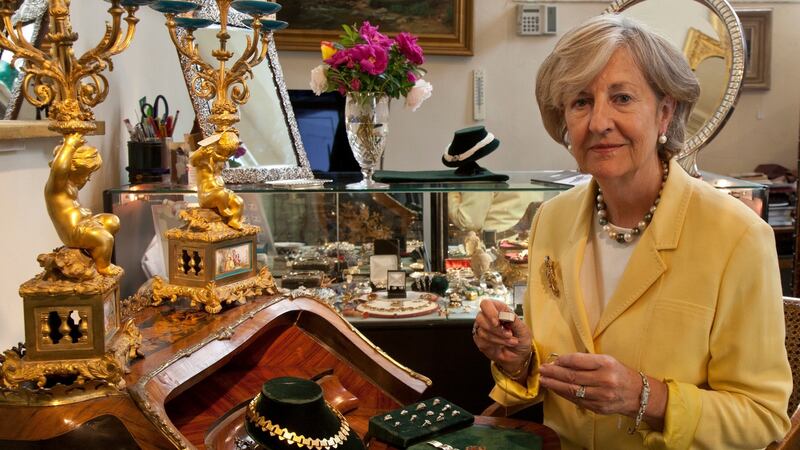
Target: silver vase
x=367 y=124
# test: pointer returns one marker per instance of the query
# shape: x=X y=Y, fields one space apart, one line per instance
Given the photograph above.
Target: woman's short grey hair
x=582 y=53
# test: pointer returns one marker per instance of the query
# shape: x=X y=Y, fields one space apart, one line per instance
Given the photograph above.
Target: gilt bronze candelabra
x=212 y=257
x=72 y=320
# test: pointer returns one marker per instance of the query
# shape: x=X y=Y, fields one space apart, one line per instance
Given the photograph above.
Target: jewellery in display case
x=288 y=248
x=332 y=248
x=383 y=307
x=413 y=244
x=379 y=266
x=455 y=300
x=363 y=288
x=312 y=263
x=396 y=284
x=421 y=281
x=309 y=279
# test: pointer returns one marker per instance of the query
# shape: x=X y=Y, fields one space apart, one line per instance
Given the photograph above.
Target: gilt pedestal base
x=212 y=263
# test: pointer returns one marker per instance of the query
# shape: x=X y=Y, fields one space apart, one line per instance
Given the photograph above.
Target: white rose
x=418 y=94
x=319 y=79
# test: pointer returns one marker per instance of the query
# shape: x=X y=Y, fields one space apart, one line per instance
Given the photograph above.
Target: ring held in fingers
x=580 y=392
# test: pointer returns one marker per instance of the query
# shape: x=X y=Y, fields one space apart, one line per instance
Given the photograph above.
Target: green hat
x=291 y=411
x=469 y=145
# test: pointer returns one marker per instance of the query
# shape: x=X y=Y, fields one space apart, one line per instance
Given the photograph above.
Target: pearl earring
x=569 y=148
x=662 y=139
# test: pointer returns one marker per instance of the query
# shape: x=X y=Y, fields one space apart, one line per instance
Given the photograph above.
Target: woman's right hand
x=508 y=346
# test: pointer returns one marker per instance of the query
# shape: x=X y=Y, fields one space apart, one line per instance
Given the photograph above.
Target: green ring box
x=399 y=430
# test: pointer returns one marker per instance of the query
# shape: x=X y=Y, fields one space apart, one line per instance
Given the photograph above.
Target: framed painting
x=757 y=28
x=444 y=27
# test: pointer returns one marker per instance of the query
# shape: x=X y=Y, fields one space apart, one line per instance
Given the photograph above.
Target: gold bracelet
x=519 y=371
x=643 y=399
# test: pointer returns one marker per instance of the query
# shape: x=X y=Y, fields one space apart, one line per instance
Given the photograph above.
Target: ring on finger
x=580 y=392
x=475 y=329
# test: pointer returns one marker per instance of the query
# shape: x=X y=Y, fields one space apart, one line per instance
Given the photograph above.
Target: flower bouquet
x=369 y=68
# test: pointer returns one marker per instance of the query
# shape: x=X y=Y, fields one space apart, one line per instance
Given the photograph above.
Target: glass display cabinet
x=324 y=236
x=455 y=242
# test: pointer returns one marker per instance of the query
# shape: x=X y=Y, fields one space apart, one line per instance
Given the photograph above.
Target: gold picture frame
x=308 y=27
x=757 y=28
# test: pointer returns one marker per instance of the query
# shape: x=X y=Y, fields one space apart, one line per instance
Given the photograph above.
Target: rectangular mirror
x=268 y=127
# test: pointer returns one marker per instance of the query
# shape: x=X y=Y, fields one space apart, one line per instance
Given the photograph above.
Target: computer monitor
x=320 y=120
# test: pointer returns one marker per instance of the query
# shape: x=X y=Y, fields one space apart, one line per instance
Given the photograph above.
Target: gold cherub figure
x=70 y=170
x=212 y=194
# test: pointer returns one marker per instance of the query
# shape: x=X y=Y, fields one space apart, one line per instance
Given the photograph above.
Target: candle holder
x=72 y=318
x=212 y=257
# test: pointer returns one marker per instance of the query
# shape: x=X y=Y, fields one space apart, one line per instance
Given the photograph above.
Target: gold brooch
x=551 y=275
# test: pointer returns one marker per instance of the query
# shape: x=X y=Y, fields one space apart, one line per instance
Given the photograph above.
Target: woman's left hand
x=598 y=383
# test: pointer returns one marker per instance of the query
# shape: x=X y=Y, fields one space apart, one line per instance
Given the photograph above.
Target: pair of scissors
x=152 y=110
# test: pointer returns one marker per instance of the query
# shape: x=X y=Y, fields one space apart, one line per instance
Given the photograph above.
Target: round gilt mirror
x=711 y=37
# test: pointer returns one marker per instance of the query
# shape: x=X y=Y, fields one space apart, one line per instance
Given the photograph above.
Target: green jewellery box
x=418 y=421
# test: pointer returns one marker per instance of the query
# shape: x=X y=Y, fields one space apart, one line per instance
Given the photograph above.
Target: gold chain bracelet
x=293 y=438
x=643 y=400
x=516 y=374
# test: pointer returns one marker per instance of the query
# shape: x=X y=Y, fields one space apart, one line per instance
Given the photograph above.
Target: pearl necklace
x=625 y=238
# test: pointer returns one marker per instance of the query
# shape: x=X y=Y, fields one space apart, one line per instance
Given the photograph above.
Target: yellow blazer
x=699 y=306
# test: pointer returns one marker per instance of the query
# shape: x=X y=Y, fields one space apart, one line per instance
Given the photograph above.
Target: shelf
x=31 y=129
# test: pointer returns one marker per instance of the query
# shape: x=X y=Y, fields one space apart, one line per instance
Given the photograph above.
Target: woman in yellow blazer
x=654 y=315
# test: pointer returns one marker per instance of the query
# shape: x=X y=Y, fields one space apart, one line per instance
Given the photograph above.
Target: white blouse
x=604 y=262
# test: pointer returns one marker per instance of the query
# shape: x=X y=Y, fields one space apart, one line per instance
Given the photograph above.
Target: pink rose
x=373 y=59
x=338 y=58
x=371 y=35
x=411 y=77
x=407 y=44
x=355 y=84
x=419 y=93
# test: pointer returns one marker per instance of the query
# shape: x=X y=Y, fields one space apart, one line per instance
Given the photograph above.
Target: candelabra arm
x=243 y=64
x=39 y=66
x=113 y=42
x=124 y=41
x=16 y=43
x=44 y=92
x=188 y=49
x=251 y=57
x=113 y=31
x=262 y=53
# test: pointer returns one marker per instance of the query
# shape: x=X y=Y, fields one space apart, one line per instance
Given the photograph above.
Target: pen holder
x=146 y=161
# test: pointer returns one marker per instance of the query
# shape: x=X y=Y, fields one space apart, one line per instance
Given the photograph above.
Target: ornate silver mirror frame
x=30 y=13
x=733 y=52
x=260 y=173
